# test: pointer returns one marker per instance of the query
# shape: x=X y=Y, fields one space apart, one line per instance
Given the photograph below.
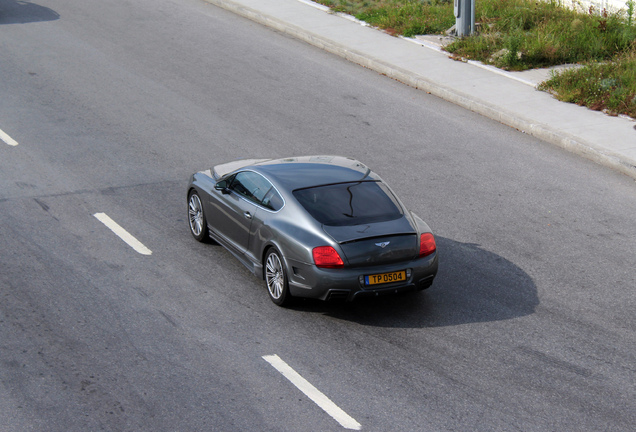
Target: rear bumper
x=344 y=284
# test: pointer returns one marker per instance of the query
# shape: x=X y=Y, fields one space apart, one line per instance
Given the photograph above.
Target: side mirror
x=222 y=186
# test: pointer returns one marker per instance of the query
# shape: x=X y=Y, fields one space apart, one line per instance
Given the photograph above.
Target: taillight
x=327 y=257
x=427 y=244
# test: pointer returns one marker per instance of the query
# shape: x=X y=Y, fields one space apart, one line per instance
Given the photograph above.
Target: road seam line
x=313 y=393
x=123 y=234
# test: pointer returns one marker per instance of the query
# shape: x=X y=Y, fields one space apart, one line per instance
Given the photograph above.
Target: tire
x=276 y=278
x=196 y=218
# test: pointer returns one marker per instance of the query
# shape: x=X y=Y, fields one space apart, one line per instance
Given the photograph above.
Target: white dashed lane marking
x=7 y=139
x=123 y=234
x=345 y=420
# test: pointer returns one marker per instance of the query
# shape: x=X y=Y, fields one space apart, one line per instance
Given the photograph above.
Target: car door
x=233 y=208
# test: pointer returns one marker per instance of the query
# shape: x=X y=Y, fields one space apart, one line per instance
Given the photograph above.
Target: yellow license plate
x=383 y=278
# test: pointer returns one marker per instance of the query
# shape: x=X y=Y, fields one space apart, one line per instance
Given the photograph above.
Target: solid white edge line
x=123 y=234
x=315 y=5
x=7 y=139
x=328 y=10
x=313 y=393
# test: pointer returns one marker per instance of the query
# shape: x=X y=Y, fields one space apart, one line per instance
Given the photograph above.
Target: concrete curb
x=559 y=138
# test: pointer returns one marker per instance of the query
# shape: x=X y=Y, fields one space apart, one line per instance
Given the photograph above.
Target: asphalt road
x=529 y=326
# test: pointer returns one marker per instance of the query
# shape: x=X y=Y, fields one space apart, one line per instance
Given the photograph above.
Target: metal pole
x=464 y=17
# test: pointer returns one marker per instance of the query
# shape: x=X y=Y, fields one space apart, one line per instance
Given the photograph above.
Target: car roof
x=305 y=171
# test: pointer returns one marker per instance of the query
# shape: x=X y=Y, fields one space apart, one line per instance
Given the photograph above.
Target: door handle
x=248 y=215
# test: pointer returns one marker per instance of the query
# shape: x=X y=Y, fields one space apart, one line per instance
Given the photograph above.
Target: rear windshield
x=350 y=203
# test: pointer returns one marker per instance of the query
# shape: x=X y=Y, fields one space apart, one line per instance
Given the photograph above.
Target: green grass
x=608 y=86
x=525 y=34
x=399 y=17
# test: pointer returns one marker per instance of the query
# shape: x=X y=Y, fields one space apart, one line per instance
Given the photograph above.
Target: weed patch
x=399 y=17
x=541 y=34
x=610 y=86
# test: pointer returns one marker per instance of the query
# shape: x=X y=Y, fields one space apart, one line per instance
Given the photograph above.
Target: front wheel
x=196 y=217
x=276 y=278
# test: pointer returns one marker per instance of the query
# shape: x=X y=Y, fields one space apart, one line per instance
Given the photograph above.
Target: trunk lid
x=377 y=243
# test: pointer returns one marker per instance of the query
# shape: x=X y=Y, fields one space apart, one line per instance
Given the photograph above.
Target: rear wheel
x=196 y=218
x=276 y=278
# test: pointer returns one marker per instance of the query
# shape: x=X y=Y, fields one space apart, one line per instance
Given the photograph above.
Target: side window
x=241 y=185
x=258 y=189
x=273 y=200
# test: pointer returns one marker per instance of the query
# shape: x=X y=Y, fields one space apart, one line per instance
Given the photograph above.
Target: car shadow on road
x=22 y=12
x=473 y=285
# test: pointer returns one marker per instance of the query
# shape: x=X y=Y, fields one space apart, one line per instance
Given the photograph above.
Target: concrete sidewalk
x=509 y=98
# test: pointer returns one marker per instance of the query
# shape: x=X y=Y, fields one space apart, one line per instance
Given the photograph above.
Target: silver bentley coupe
x=323 y=227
